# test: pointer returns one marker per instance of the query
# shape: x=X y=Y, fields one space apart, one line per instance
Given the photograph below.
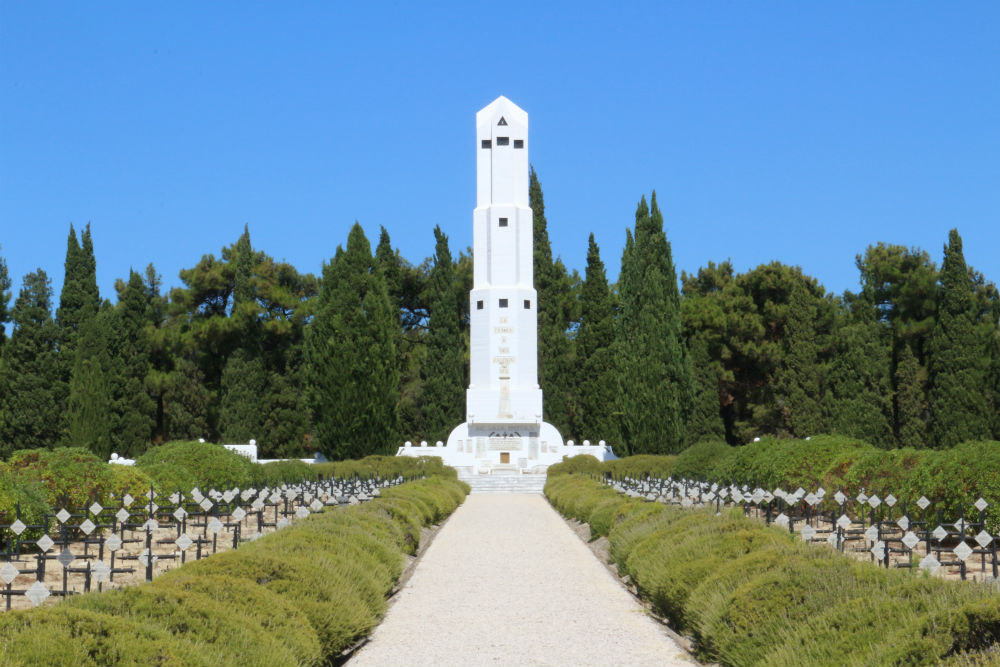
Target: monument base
x=489 y=449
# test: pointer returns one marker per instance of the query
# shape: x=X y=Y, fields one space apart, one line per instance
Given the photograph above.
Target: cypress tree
x=706 y=420
x=860 y=391
x=284 y=432
x=797 y=378
x=958 y=364
x=656 y=390
x=31 y=390
x=135 y=408
x=244 y=381
x=556 y=361
x=5 y=284
x=90 y=417
x=910 y=400
x=352 y=377
x=185 y=402
x=79 y=299
x=597 y=380
x=443 y=371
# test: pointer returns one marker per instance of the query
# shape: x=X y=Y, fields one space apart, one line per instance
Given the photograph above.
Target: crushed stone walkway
x=507 y=582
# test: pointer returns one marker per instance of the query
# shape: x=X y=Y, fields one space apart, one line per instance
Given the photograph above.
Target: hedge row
x=952 y=478
x=42 y=479
x=296 y=597
x=749 y=594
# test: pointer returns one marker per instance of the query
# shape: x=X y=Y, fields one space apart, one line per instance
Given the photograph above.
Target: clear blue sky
x=794 y=131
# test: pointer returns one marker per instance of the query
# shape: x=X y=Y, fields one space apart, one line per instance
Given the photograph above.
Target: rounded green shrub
x=700 y=460
x=26 y=494
x=70 y=476
x=209 y=465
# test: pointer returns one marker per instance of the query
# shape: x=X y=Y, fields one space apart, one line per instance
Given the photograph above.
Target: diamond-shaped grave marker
x=302 y=512
x=8 y=572
x=63 y=515
x=282 y=522
x=316 y=505
x=981 y=505
x=45 y=543
x=127 y=500
x=781 y=520
x=910 y=540
x=878 y=550
x=87 y=527
x=839 y=497
x=175 y=497
x=862 y=498
x=757 y=496
x=228 y=496
x=151 y=525
x=923 y=503
x=196 y=494
x=214 y=525
x=808 y=533
x=963 y=550
x=96 y=509
x=940 y=533
x=874 y=501
x=146 y=558
x=37 y=592
x=100 y=571
x=122 y=515
x=183 y=542
x=66 y=558
x=153 y=507
x=903 y=522
x=929 y=563
x=960 y=525
x=768 y=496
x=150 y=494
x=179 y=514
x=812 y=499
x=832 y=539
x=872 y=533
x=844 y=521
x=257 y=505
x=113 y=543
x=18 y=527
x=206 y=504
x=983 y=539
x=891 y=500
x=239 y=513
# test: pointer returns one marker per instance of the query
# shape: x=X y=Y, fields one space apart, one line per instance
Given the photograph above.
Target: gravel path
x=506 y=582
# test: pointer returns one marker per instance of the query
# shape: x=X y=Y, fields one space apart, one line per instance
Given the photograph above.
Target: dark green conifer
x=134 y=406
x=597 y=379
x=910 y=400
x=244 y=380
x=352 y=377
x=443 y=371
x=5 y=284
x=656 y=389
x=798 y=377
x=31 y=390
x=556 y=305
x=859 y=396
x=185 y=402
x=958 y=364
x=91 y=420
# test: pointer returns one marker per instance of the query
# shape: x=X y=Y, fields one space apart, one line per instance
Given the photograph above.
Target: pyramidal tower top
x=502 y=175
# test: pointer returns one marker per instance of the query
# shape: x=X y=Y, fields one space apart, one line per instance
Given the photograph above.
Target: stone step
x=505 y=483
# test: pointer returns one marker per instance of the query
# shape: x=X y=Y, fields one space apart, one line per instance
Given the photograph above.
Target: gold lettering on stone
x=503 y=330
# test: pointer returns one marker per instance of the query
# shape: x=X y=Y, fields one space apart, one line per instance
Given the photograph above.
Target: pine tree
x=556 y=361
x=353 y=382
x=31 y=389
x=859 y=397
x=244 y=380
x=910 y=400
x=797 y=378
x=443 y=372
x=134 y=407
x=958 y=365
x=597 y=380
x=655 y=386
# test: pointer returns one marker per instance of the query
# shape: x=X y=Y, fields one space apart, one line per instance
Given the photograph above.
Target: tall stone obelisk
x=504 y=402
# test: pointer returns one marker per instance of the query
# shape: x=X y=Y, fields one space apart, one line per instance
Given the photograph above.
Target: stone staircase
x=504 y=483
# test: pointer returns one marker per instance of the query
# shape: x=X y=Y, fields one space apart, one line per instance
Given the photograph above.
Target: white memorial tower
x=504 y=429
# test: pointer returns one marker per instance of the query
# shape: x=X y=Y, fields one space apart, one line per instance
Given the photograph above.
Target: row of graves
x=879 y=528
x=76 y=550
